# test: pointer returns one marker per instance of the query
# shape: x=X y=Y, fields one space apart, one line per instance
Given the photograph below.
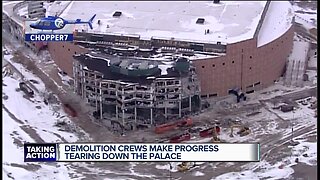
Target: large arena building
x=257 y=37
x=192 y=49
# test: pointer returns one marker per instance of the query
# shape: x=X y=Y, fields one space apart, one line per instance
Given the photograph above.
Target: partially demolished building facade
x=136 y=90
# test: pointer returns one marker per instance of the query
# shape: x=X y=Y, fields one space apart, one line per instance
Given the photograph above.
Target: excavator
x=244 y=130
x=186 y=166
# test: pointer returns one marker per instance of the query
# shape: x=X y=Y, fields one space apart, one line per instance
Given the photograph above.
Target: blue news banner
x=48 y=37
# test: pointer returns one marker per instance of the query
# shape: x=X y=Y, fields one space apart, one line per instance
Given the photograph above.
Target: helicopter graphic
x=57 y=23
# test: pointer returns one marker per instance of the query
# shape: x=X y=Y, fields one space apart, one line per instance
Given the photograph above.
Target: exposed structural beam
x=101 y=104
x=151 y=116
x=190 y=108
x=96 y=91
x=180 y=98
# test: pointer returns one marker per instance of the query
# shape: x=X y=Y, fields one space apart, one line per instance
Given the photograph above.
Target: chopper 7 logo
x=59 y=23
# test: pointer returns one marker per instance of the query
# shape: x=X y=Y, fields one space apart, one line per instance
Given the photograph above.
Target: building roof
x=277 y=21
x=227 y=21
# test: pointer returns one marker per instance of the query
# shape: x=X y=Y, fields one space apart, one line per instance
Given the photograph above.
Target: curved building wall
x=245 y=66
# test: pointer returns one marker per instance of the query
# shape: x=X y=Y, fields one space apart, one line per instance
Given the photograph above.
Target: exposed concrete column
x=199 y=96
x=79 y=80
x=122 y=105
x=83 y=82
x=117 y=115
x=151 y=109
x=135 y=105
x=151 y=115
x=165 y=110
x=78 y=77
x=135 y=115
x=190 y=108
x=96 y=90
x=180 y=103
x=101 y=113
x=180 y=86
x=198 y=92
x=123 y=116
x=75 y=77
x=165 y=99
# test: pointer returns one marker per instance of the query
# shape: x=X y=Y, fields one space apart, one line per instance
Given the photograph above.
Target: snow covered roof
x=277 y=21
x=227 y=21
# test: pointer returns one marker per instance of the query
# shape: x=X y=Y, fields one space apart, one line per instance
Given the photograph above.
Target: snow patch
x=164 y=68
x=306 y=152
x=198 y=173
x=267 y=171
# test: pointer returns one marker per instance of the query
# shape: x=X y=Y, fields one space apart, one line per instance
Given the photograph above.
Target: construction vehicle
x=242 y=132
x=240 y=95
x=69 y=110
x=186 y=166
x=173 y=125
x=215 y=138
x=26 y=89
x=208 y=132
x=180 y=138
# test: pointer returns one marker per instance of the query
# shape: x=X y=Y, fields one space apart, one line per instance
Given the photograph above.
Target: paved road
x=294 y=96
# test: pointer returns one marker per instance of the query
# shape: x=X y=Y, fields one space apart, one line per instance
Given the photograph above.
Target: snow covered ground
x=13 y=159
x=31 y=120
x=305 y=152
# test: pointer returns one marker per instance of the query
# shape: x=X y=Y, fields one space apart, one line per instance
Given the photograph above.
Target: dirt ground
x=302 y=172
